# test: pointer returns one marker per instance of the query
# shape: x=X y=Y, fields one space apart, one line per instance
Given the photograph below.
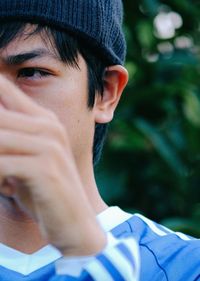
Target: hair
x=67 y=46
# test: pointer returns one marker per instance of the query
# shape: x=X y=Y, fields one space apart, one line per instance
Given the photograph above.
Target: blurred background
x=151 y=160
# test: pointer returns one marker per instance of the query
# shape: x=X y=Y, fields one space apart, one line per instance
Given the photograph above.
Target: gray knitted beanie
x=98 y=22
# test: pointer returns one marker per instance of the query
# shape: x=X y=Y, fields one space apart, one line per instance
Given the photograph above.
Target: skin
x=46 y=137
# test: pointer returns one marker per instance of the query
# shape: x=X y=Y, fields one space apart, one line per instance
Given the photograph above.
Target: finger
x=32 y=180
x=23 y=144
x=12 y=98
x=40 y=126
x=15 y=181
x=13 y=166
x=24 y=172
x=50 y=154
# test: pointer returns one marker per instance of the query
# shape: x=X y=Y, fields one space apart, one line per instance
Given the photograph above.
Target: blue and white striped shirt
x=164 y=255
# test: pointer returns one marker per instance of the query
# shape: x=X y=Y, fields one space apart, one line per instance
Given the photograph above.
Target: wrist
x=89 y=242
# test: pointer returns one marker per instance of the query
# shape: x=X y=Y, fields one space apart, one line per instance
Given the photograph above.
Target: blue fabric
x=84 y=277
x=163 y=258
x=43 y=274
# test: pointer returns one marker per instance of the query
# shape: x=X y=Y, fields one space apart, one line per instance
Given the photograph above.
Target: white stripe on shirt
x=98 y=271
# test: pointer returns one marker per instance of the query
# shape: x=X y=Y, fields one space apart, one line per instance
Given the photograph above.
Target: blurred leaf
x=161 y=145
x=145 y=34
x=151 y=6
x=126 y=138
x=184 y=225
x=113 y=190
x=192 y=108
x=132 y=69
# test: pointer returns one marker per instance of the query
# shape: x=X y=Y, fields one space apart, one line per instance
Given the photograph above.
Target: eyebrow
x=21 y=58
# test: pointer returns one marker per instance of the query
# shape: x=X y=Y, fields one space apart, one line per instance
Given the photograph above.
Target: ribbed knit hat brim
x=98 y=22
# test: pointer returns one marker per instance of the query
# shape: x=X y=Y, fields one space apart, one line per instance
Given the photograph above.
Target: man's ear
x=115 y=79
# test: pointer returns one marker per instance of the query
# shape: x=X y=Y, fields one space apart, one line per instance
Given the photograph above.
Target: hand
x=37 y=164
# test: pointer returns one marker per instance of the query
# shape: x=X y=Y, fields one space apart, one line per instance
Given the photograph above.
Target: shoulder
x=165 y=255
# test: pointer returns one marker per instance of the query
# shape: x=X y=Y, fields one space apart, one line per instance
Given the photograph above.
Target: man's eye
x=32 y=73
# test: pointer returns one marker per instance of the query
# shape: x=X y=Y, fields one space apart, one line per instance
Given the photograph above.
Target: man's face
x=34 y=67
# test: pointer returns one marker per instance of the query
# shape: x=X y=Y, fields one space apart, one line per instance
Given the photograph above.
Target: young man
x=60 y=75
x=61 y=78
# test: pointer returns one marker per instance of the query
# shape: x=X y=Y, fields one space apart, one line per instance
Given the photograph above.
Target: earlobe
x=115 y=80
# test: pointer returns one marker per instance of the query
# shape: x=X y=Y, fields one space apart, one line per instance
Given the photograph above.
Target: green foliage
x=151 y=162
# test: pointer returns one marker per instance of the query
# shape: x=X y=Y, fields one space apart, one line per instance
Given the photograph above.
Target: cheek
x=79 y=124
x=66 y=97
x=69 y=103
